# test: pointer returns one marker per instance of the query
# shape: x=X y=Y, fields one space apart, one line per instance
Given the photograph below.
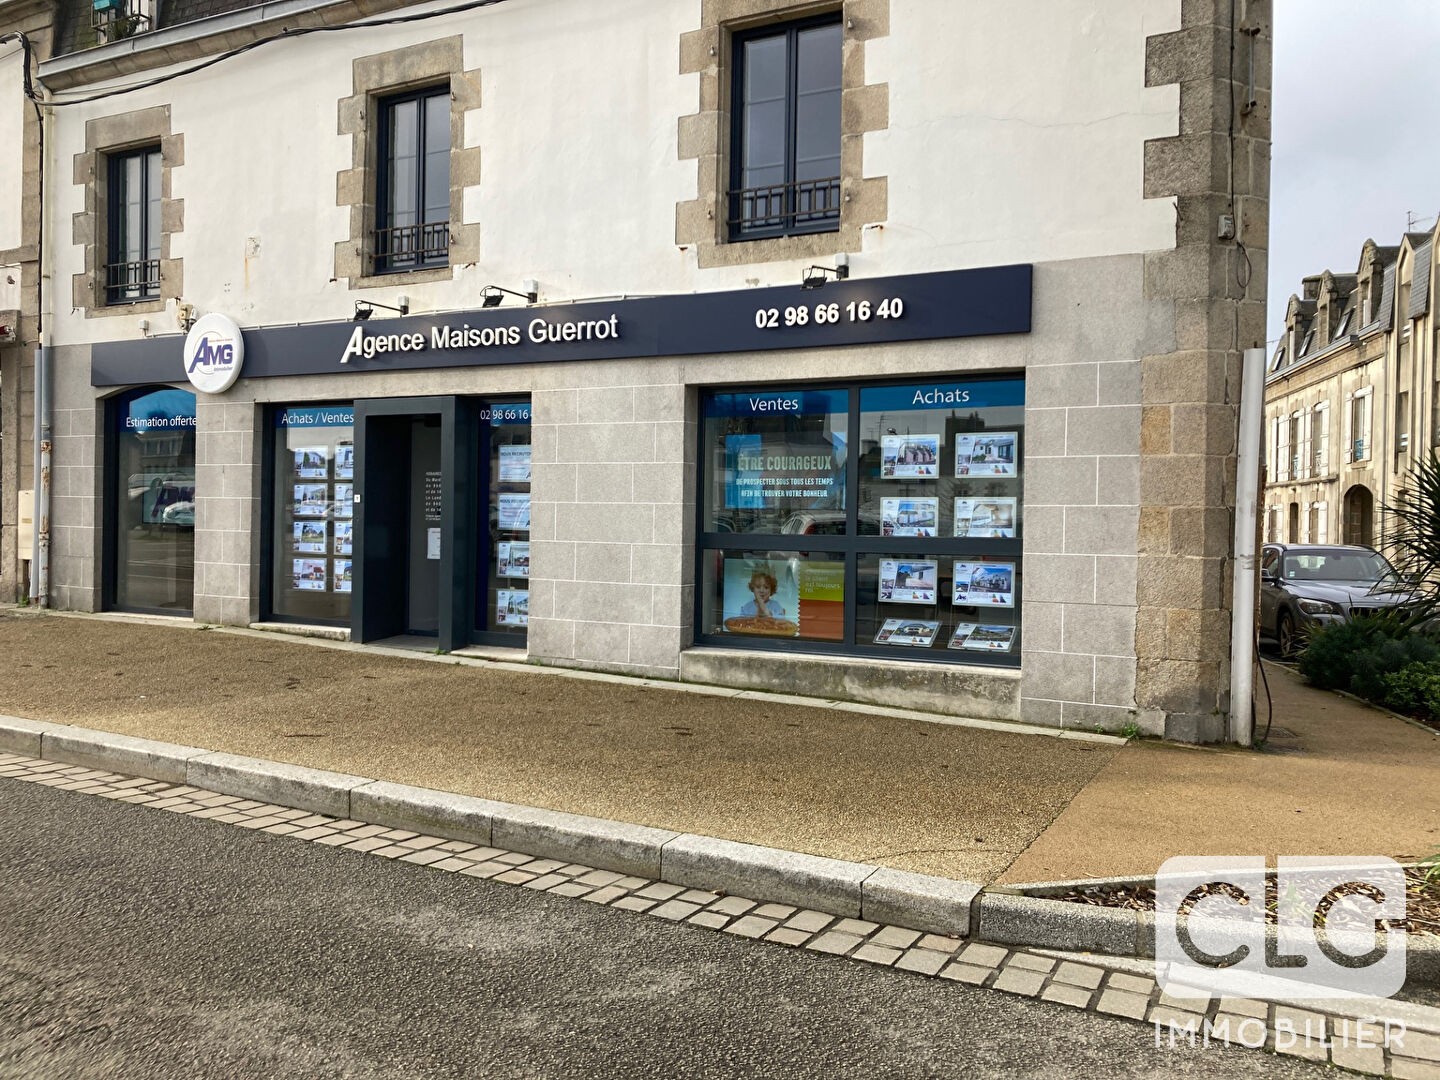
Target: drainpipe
x=1247 y=495
x=40 y=564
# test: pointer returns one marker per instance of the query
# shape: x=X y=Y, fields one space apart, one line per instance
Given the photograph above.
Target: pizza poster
x=784 y=598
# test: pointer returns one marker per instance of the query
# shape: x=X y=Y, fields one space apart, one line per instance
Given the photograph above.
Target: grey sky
x=1355 y=143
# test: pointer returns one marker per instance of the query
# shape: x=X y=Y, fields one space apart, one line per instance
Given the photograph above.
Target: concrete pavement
x=930 y=798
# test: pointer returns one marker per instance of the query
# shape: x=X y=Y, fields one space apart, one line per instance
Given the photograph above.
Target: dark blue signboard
x=918 y=307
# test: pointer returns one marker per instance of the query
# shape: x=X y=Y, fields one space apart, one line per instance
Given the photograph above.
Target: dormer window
x=1344 y=324
x=1305 y=345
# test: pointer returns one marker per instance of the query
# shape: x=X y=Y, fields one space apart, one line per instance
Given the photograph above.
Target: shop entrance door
x=426 y=528
x=414 y=520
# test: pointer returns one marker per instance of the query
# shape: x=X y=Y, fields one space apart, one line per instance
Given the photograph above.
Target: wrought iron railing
x=805 y=205
x=409 y=247
x=126 y=282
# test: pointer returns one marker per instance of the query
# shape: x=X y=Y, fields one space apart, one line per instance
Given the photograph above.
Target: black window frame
x=850 y=547
x=433 y=248
x=138 y=278
x=735 y=197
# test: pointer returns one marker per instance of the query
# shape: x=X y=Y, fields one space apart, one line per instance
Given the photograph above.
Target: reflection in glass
x=507 y=571
x=775 y=462
x=155 y=527
x=313 y=512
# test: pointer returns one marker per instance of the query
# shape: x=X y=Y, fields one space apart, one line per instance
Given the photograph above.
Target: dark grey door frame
x=371 y=614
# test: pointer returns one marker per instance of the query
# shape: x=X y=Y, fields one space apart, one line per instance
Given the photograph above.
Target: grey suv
x=1304 y=585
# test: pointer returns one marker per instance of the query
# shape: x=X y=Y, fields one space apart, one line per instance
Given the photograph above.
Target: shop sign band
x=858 y=311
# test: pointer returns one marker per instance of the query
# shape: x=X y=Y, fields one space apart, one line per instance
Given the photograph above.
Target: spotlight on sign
x=814 y=276
x=365 y=308
x=494 y=295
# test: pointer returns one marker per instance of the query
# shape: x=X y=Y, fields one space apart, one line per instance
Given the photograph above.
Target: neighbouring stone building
x=876 y=350
x=1352 y=395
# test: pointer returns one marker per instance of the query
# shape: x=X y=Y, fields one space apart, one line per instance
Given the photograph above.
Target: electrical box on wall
x=25 y=517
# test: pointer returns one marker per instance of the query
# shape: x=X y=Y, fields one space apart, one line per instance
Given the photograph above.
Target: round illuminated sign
x=214 y=353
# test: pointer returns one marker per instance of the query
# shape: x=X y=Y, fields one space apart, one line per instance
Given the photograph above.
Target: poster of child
x=762 y=596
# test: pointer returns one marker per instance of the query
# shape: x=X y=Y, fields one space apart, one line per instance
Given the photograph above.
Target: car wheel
x=1285 y=635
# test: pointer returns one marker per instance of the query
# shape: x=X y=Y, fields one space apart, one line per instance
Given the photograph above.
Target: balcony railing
x=411 y=247
x=127 y=282
x=802 y=206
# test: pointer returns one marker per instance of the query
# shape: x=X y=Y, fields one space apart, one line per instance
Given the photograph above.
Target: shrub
x=1386 y=657
x=1415 y=690
x=1327 y=659
x=1358 y=654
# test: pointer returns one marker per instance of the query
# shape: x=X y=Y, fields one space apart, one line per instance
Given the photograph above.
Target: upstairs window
x=785 y=145
x=132 y=264
x=412 y=205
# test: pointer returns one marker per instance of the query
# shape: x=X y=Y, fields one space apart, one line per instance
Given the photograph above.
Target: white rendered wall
x=12 y=125
x=1016 y=135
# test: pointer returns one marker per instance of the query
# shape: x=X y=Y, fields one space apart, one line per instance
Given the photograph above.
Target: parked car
x=1307 y=585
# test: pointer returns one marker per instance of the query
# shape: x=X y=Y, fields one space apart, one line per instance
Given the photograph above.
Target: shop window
x=150 y=563
x=312 y=513
x=132 y=264
x=785 y=143
x=412 y=215
x=505 y=594
x=864 y=519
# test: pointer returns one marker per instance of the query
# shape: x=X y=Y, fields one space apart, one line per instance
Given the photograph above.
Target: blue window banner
x=317 y=416
x=797 y=403
x=161 y=410
x=786 y=470
x=943 y=394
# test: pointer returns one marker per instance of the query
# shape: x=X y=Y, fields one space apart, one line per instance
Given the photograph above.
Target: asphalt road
x=135 y=944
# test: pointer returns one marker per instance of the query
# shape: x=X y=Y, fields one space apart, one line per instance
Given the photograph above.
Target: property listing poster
x=512 y=607
x=909 y=517
x=309 y=574
x=345 y=500
x=784 y=598
x=982 y=638
x=986 y=518
x=312 y=463
x=310 y=500
x=917 y=632
x=987 y=584
x=909 y=457
x=770 y=470
x=344 y=461
x=512 y=559
x=990 y=453
x=909 y=581
x=342 y=575
x=344 y=535
x=312 y=537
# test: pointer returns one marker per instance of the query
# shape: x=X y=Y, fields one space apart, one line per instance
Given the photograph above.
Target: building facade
x=1351 y=395
x=766 y=343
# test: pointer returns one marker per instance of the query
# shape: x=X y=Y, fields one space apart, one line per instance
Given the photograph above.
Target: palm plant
x=1412 y=538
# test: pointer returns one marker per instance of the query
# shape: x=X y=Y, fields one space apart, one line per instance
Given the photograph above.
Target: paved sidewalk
x=930 y=798
x=1337 y=778
x=912 y=795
